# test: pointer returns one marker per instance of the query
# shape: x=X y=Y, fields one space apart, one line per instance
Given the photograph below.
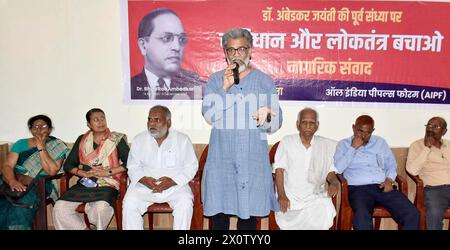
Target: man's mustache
x=237 y=59
x=430 y=133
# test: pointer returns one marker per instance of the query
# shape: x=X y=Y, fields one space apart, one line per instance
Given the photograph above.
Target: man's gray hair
x=237 y=33
x=307 y=109
x=166 y=110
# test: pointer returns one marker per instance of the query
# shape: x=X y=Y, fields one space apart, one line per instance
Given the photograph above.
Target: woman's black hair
x=89 y=113
x=45 y=118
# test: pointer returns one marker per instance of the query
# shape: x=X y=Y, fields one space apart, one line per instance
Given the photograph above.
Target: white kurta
x=176 y=159
x=305 y=172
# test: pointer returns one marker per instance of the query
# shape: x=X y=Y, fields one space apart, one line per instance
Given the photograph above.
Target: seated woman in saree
x=30 y=159
x=95 y=159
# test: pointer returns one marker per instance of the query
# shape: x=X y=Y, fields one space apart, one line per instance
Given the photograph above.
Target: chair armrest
x=40 y=184
x=198 y=175
x=344 y=190
x=195 y=185
x=334 y=200
x=53 y=177
x=402 y=184
x=123 y=185
x=345 y=211
x=64 y=183
x=40 y=219
x=419 y=199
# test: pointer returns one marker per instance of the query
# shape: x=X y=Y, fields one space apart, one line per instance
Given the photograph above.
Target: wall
x=63 y=57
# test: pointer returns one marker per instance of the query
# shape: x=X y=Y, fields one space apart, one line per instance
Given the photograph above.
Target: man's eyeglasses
x=36 y=127
x=432 y=126
x=232 y=51
x=169 y=37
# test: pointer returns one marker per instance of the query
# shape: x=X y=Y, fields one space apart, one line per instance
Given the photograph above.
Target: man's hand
x=357 y=142
x=387 y=185
x=429 y=141
x=163 y=183
x=261 y=115
x=284 y=202
x=333 y=184
x=149 y=182
x=333 y=189
x=228 y=79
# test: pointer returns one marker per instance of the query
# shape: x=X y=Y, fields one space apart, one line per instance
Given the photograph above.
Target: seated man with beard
x=161 y=163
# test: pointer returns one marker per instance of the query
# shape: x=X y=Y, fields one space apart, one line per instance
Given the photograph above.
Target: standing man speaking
x=238 y=177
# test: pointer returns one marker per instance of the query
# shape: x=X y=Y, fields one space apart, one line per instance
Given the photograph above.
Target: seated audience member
x=303 y=164
x=30 y=159
x=162 y=162
x=95 y=159
x=369 y=166
x=429 y=158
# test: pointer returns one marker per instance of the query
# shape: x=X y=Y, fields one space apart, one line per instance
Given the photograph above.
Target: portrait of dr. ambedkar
x=161 y=41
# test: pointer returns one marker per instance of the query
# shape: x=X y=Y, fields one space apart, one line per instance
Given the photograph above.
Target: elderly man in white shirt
x=161 y=163
x=303 y=164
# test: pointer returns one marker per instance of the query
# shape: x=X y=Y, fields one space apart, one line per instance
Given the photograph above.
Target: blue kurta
x=238 y=175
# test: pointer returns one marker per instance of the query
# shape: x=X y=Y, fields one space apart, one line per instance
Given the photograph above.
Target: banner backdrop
x=355 y=51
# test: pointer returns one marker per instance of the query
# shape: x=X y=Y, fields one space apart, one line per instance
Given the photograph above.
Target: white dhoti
x=318 y=214
x=139 y=197
x=65 y=216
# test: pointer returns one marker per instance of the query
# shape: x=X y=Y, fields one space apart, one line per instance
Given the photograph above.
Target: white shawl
x=322 y=162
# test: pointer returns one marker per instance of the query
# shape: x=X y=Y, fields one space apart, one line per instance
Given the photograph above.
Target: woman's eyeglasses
x=36 y=127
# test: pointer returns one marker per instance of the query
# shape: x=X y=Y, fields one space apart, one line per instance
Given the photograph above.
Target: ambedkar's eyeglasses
x=168 y=37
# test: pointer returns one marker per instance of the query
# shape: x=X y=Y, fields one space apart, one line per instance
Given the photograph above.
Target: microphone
x=236 y=73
